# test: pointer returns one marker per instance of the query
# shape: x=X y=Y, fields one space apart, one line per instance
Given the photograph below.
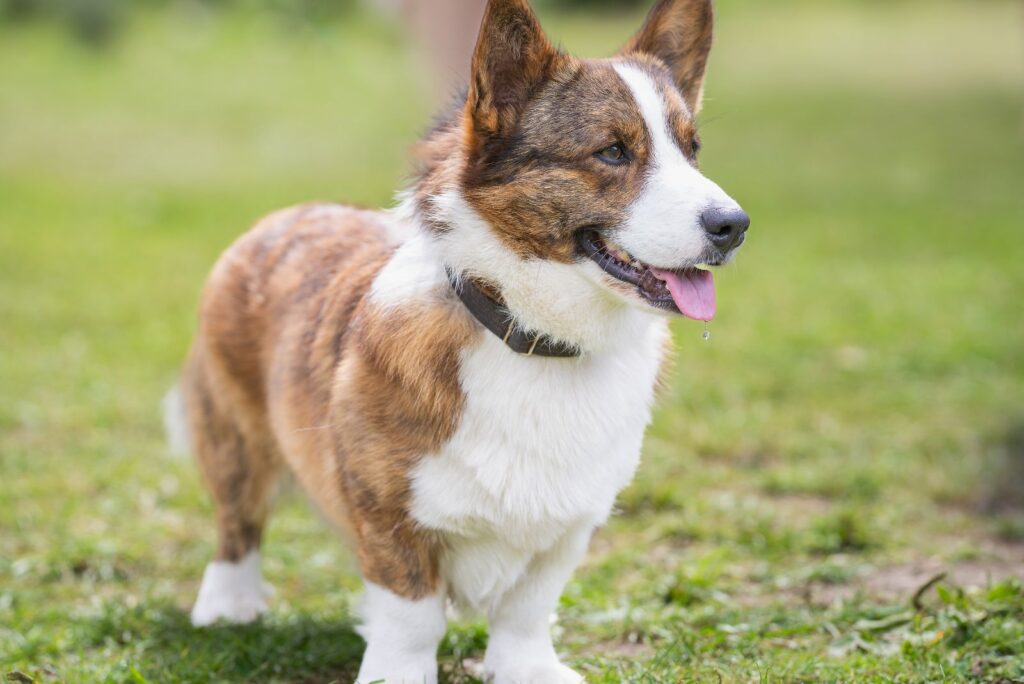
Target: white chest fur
x=543 y=447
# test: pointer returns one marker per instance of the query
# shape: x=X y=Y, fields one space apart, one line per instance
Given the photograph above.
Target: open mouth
x=687 y=291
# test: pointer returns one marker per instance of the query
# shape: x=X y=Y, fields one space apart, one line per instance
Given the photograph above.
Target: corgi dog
x=462 y=384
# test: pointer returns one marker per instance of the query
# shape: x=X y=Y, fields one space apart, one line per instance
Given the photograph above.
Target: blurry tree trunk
x=446 y=30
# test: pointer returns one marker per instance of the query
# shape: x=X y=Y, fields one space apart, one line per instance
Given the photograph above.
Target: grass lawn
x=853 y=430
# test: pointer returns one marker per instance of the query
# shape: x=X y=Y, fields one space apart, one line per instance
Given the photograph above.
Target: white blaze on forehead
x=652 y=106
x=664 y=225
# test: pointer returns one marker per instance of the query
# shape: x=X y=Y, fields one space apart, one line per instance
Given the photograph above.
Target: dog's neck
x=546 y=297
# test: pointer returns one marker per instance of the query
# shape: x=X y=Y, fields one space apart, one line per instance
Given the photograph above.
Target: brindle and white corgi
x=462 y=384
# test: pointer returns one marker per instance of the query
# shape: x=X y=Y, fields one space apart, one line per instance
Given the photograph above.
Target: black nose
x=726 y=228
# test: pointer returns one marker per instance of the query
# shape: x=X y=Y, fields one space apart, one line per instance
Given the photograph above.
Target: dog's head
x=589 y=167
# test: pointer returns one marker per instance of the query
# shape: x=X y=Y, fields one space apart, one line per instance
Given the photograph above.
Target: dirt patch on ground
x=891 y=582
x=624 y=649
x=996 y=562
x=800 y=506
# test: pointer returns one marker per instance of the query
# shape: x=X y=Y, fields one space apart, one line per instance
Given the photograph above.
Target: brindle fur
x=292 y=366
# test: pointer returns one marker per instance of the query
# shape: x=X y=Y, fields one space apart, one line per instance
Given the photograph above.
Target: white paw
x=402 y=636
x=231 y=592
x=233 y=609
x=554 y=673
x=424 y=672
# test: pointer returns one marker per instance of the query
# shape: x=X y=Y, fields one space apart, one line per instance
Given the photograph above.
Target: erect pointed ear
x=679 y=33
x=513 y=58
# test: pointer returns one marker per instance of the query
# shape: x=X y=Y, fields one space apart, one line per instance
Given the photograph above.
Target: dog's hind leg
x=240 y=467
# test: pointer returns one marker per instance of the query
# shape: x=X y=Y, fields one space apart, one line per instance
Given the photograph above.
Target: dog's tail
x=176 y=422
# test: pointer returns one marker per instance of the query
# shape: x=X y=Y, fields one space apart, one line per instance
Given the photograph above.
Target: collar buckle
x=533 y=347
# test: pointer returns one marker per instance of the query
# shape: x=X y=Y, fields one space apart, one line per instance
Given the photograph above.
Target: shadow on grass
x=158 y=644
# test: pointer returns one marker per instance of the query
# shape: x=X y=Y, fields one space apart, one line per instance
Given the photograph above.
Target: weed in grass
x=843 y=531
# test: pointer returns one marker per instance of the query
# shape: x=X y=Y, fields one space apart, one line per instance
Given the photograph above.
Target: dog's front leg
x=520 y=650
x=402 y=637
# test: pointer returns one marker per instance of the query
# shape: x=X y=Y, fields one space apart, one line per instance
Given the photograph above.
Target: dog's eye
x=613 y=154
x=696 y=145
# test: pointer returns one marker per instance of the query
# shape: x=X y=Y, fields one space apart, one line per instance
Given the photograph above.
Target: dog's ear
x=679 y=33
x=513 y=58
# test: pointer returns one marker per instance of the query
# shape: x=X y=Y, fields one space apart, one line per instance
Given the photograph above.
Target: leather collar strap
x=499 y=321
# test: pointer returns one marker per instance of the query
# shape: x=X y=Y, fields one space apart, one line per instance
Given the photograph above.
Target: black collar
x=499 y=320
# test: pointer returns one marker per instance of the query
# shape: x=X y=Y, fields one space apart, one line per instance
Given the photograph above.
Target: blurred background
x=853 y=430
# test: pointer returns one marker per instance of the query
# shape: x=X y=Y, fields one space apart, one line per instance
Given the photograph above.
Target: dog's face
x=593 y=163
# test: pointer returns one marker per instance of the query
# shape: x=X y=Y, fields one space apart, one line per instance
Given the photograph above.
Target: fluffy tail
x=176 y=423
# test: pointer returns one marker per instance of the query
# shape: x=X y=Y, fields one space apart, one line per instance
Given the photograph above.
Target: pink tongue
x=693 y=291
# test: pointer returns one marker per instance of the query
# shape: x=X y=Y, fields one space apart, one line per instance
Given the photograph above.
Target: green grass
x=854 y=427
